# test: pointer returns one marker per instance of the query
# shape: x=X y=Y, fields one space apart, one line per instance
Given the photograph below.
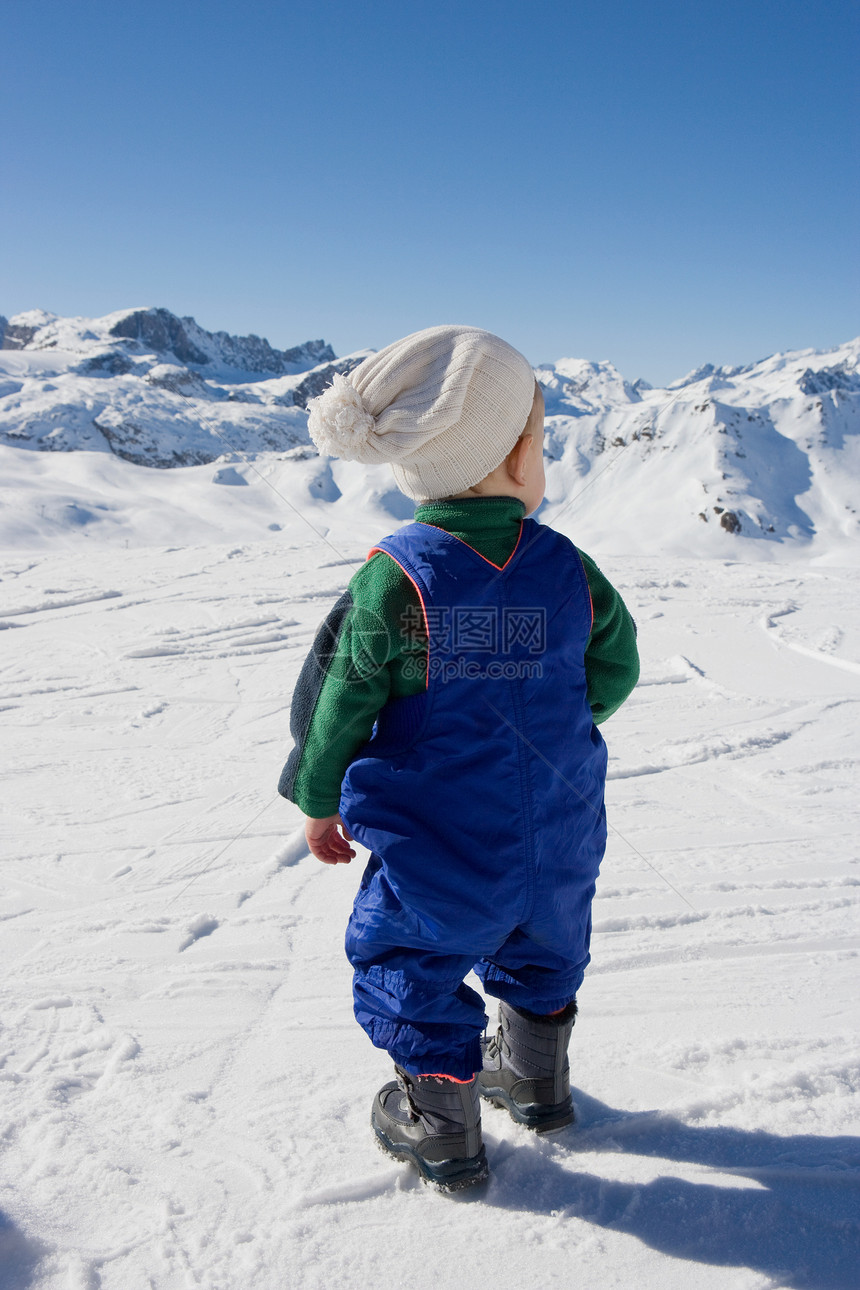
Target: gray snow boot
x=435 y=1124
x=526 y=1070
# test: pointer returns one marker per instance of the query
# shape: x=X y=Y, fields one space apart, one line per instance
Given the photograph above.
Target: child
x=445 y=719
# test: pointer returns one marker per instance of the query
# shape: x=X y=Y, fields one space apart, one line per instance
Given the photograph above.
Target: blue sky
x=660 y=184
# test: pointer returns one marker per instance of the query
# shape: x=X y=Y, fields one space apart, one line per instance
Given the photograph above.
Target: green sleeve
x=345 y=681
x=611 y=657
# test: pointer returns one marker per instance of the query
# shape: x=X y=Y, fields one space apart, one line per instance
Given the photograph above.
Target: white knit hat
x=443 y=407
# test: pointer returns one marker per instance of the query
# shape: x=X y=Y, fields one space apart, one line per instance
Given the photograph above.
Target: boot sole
x=447 y=1175
x=538 y=1119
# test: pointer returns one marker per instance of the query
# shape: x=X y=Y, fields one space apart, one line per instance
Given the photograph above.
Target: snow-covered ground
x=184 y=1096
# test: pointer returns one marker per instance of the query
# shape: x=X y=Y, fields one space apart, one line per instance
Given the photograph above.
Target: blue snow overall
x=481 y=801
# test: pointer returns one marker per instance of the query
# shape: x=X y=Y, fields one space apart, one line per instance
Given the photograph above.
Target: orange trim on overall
x=588 y=589
x=591 y=603
x=378 y=550
x=439 y=1075
x=500 y=567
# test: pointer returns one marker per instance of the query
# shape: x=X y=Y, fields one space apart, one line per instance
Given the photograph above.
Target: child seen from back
x=446 y=719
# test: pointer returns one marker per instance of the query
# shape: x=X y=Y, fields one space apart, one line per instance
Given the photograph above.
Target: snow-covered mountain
x=132 y=332
x=153 y=388
x=754 y=460
x=769 y=452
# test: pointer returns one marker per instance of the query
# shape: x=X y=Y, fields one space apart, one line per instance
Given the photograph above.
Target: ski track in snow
x=184 y=1095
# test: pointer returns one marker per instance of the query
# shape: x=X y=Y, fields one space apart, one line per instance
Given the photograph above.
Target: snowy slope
x=768 y=453
x=752 y=463
x=184 y=1096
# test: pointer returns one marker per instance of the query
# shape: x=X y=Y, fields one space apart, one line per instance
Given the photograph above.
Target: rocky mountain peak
x=161 y=333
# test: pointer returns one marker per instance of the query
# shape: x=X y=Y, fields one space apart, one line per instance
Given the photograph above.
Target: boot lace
x=406 y=1087
x=496 y=1046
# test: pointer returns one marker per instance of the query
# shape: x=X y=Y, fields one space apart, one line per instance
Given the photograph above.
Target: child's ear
x=517 y=459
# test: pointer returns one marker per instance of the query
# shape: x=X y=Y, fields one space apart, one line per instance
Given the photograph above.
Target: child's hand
x=326 y=843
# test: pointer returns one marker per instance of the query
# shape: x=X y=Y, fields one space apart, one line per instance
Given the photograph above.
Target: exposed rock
x=843 y=379
x=163 y=432
x=730 y=521
x=321 y=378
x=161 y=331
x=16 y=335
x=253 y=354
x=111 y=363
x=178 y=380
x=135 y=442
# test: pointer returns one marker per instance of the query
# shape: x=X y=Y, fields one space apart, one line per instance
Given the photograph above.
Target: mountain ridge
x=157 y=330
x=766 y=454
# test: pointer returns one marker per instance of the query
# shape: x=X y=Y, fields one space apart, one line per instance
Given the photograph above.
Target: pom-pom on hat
x=443 y=407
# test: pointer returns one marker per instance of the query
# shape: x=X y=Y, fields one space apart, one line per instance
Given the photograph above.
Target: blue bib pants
x=481 y=801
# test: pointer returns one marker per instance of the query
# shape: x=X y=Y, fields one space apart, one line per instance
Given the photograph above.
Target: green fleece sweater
x=373 y=648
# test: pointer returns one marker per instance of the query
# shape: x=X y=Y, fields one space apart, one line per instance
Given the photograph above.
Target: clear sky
x=659 y=183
